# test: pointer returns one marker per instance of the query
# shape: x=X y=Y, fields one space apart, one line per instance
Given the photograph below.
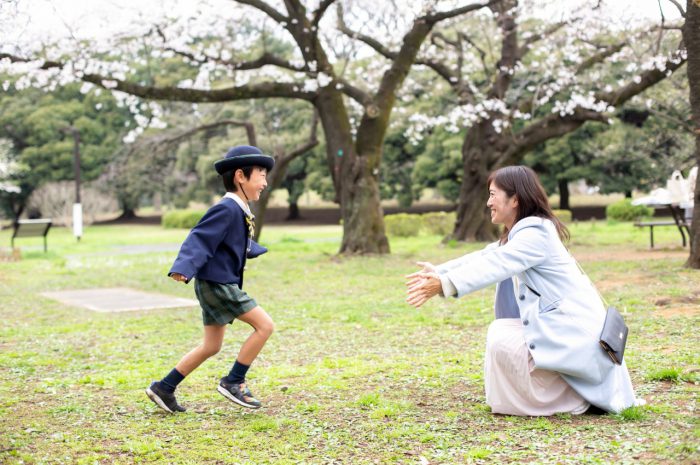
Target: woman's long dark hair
x=522 y=182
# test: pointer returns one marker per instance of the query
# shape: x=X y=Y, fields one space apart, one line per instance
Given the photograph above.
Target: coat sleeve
x=202 y=241
x=527 y=248
x=464 y=259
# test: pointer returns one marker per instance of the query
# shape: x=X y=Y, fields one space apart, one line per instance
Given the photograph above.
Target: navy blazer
x=217 y=247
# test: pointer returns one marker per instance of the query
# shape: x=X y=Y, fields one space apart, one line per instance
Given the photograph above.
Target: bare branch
x=357 y=94
x=249 y=127
x=678 y=5
x=265 y=8
x=320 y=11
x=372 y=42
x=306 y=146
x=442 y=15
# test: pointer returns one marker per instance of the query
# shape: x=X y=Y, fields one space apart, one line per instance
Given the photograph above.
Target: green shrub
x=438 y=223
x=625 y=211
x=181 y=219
x=563 y=215
x=402 y=225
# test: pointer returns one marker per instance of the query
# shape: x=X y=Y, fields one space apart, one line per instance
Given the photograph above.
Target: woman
x=542 y=351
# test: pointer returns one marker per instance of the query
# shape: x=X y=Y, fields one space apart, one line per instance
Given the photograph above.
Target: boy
x=214 y=253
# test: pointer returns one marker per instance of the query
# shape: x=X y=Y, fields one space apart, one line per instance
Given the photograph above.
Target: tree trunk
x=355 y=178
x=293 y=212
x=128 y=213
x=564 y=194
x=691 y=37
x=274 y=180
x=473 y=220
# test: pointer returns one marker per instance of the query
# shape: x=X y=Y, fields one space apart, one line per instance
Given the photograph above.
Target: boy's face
x=254 y=185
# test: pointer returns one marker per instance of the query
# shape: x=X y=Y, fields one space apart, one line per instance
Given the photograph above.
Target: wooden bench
x=652 y=224
x=31 y=228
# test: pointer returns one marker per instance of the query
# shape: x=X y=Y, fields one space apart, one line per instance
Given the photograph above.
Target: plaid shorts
x=221 y=303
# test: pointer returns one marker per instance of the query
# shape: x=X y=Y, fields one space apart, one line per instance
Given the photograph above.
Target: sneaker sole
x=230 y=397
x=157 y=400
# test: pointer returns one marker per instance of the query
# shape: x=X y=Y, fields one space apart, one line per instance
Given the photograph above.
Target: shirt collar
x=240 y=203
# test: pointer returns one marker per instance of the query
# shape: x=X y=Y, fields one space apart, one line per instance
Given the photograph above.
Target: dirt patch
x=630 y=280
x=680 y=310
x=586 y=255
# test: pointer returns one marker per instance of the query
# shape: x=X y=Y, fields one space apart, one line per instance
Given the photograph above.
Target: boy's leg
x=233 y=386
x=163 y=392
x=263 y=328
x=210 y=346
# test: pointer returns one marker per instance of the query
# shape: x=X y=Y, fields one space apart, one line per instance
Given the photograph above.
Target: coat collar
x=240 y=202
x=527 y=222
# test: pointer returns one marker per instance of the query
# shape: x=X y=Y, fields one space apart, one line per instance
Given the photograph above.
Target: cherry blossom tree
x=311 y=65
x=541 y=80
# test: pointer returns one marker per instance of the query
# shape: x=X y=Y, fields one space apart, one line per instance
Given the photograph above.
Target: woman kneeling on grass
x=542 y=351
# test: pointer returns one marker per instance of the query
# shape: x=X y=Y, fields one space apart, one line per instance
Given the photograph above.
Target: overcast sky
x=89 y=18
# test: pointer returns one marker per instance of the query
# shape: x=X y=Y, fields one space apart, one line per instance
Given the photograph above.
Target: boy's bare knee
x=267 y=328
x=210 y=350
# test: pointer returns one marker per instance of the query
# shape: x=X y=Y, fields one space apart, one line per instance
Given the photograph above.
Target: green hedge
x=181 y=219
x=413 y=224
x=438 y=223
x=563 y=215
x=402 y=225
x=625 y=211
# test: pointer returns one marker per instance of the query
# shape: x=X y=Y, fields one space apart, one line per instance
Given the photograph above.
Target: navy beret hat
x=241 y=156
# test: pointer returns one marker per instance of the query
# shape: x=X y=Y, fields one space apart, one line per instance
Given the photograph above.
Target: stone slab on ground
x=118 y=299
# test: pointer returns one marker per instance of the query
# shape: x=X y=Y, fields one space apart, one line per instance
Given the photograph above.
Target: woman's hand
x=422 y=286
x=415 y=277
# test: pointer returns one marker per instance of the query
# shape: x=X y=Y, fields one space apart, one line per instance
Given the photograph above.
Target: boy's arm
x=201 y=243
x=256 y=249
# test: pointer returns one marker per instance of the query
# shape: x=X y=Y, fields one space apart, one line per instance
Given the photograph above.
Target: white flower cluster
x=577 y=100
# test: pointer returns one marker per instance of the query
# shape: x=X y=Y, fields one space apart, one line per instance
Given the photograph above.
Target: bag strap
x=605 y=302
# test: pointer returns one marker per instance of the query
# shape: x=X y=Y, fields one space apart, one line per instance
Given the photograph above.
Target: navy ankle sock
x=237 y=373
x=171 y=381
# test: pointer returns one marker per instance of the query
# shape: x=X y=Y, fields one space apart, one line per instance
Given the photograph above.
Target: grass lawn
x=351 y=375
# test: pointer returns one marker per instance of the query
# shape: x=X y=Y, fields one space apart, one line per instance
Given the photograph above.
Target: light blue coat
x=562 y=325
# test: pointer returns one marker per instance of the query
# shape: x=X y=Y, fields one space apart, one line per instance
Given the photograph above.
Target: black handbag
x=613 y=338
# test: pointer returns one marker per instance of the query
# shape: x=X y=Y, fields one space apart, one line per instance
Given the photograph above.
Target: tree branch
x=306 y=146
x=320 y=11
x=552 y=125
x=522 y=51
x=265 y=8
x=249 y=127
x=357 y=94
x=678 y=5
x=443 y=15
x=644 y=81
x=599 y=57
x=265 y=59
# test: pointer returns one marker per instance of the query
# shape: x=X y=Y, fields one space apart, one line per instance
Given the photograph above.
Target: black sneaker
x=163 y=399
x=238 y=393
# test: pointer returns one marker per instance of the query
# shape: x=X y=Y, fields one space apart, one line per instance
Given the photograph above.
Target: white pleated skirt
x=514 y=386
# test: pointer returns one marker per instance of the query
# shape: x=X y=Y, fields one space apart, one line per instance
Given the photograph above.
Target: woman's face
x=504 y=209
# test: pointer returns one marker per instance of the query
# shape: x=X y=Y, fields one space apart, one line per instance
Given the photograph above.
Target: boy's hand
x=179 y=277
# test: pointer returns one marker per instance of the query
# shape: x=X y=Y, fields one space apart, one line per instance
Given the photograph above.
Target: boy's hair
x=227 y=177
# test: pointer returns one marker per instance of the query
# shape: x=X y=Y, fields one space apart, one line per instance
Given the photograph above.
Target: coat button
x=532 y=346
x=522 y=296
x=526 y=322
